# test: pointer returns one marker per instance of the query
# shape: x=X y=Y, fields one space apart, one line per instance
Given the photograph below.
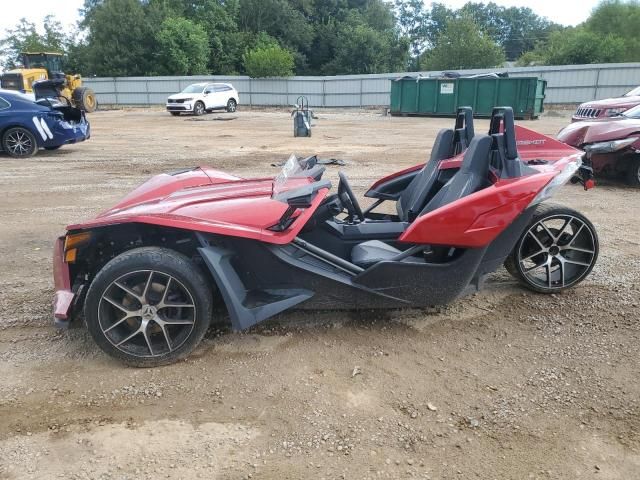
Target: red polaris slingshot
x=147 y=272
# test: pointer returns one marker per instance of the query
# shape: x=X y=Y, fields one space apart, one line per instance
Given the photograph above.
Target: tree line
x=320 y=37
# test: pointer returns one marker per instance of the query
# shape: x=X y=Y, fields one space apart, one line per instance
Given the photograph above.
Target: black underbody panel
x=259 y=280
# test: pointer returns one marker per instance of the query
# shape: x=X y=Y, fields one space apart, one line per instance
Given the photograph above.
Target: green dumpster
x=442 y=96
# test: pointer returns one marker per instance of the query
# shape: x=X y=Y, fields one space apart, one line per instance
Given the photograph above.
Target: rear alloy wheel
x=19 y=142
x=198 y=108
x=148 y=307
x=231 y=105
x=557 y=251
x=633 y=173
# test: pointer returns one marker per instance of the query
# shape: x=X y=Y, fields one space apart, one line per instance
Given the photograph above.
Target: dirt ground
x=505 y=384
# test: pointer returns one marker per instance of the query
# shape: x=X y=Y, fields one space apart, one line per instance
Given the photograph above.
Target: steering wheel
x=348 y=199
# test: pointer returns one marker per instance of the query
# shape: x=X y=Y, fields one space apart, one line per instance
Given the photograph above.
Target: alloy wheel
x=557 y=252
x=19 y=143
x=146 y=313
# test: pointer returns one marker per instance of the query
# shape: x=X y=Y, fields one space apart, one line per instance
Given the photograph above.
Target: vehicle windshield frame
x=191 y=88
x=633 y=112
x=633 y=93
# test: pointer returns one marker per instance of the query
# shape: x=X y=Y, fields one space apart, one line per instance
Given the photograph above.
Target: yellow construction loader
x=41 y=73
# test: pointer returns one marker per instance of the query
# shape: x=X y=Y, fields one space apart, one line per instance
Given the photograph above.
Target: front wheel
x=558 y=249
x=231 y=105
x=198 y=108
x=148 y=307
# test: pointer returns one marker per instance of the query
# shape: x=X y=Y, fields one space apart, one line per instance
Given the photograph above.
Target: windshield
x=195 y=88
x=290 y=169
x=633 y=93
x=632 y=112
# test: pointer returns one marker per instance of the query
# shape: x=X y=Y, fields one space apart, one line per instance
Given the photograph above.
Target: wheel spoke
x=126 y=339
x=575 y=235
x=166 y=335
x=146 y=287
x=548 y=231
x=564 y=227
x=534 y=255
x=574 y=262
x=530 y=269
x=119 y=322
x=548 y=269
x=116 y=304
x=135 y=295
x=583 y=250
x=144 y=328
x=530 y=232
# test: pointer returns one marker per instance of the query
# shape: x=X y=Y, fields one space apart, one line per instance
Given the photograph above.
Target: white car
x=199 y=98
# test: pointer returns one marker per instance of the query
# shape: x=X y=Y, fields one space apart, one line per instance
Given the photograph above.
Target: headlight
x=187 y=99
x=607 y=147
x=558 y=181
x=612 y=112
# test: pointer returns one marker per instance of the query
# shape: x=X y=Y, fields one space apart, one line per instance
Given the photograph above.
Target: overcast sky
x=567 y=12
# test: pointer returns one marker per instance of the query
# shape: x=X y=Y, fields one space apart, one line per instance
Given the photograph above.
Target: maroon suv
x=609 y=107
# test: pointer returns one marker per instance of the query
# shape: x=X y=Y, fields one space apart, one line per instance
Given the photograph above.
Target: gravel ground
x=505 y=384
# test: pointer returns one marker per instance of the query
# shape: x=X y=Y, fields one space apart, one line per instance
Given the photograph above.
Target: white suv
x=199 y=98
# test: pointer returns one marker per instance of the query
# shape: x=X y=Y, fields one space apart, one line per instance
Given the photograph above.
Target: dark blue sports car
x=26 y=126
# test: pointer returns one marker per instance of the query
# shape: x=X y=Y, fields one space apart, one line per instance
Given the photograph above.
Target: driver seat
x=472 y=176
x=449 y=143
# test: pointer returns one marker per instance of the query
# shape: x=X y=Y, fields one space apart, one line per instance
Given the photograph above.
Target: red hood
x=620 y=102
x=582 y=133
x=206 y=198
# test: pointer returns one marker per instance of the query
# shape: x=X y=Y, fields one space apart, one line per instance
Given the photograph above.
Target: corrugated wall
x=566 y=84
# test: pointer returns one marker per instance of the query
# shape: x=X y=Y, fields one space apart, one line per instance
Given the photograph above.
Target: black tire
x=56 y=147
x=198 y=108
x=232 y=105
x=580 y=258
x=85 y=99
x=19 y=142
x=156 y=265
x=175 y=114
x=633 y=172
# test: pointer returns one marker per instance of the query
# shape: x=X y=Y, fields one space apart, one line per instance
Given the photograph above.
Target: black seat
x=449 y=142
x=505 y=159
x=472 y=176
x=369 y=253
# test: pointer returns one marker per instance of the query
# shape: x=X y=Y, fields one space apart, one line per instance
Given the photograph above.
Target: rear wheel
x=19 y=142
x=557 y=250
x=149 y=306
x=231 y=105
x=85 y=99
x=633 y=172
x=198 y=108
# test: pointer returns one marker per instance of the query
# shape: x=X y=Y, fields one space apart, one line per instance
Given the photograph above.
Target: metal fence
x=569 y=84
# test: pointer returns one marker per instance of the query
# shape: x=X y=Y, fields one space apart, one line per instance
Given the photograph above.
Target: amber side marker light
x=71 y=242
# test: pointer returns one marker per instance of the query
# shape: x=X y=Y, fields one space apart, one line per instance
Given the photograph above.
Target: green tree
x=24 y=37
x=412 y=20
x=577 y=46
x=618 y=19
x=463 y=45
x=184 y=46
x=268 y=61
